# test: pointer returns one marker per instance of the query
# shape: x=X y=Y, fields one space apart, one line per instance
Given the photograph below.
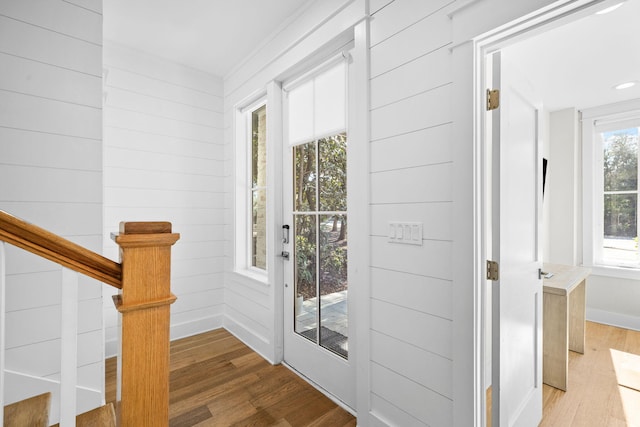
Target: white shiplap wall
x=163 y=161
x=420 y=370
x=51 y=175
x=411 y=161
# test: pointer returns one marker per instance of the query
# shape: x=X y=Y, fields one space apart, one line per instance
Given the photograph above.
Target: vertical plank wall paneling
x=51 y=175
x=411 y=159
x=163 y=161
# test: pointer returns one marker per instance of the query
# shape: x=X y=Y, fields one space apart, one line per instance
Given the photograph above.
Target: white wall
x=411 y=159
x=614 y=301
x=163 y=161
x=563 y=188
x=51 y=174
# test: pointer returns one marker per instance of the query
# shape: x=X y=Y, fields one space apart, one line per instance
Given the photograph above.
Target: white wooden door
x=316 y=326
x=516 y=213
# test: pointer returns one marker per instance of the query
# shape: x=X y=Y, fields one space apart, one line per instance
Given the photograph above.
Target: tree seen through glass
x=620 y=169
x=320 y=217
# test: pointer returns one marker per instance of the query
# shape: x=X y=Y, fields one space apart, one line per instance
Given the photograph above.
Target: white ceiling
x=578 y=64
x=574 y=65
x=208 y=35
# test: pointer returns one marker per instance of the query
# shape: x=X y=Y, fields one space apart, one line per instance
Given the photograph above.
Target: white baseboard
x=196 y=326
x=249 y=337
x=22 y=386
x=182 y=330
x=110 y=348
x=614 y=319
x=376 y=421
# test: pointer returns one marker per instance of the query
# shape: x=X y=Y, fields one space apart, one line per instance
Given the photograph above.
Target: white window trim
x=592 y=182
x=242 y=191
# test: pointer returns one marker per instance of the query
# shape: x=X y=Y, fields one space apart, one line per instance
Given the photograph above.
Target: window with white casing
x=612 y=203
x=251 y=189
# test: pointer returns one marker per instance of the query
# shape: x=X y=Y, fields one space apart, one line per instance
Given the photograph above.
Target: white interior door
x=316 y=335
x=516 y=213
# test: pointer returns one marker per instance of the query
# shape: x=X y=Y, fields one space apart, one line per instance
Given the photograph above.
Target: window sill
x=632 y=273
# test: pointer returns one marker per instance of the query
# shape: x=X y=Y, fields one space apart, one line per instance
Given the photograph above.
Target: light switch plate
x=408 y=233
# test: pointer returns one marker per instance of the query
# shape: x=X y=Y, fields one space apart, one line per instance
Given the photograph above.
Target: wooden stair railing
x=143 y=277
x=57 y=249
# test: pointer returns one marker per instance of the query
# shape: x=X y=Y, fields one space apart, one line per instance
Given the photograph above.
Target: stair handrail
x=55 y=248
x=143 y=277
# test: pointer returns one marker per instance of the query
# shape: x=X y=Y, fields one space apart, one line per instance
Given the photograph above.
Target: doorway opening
x=570 y=61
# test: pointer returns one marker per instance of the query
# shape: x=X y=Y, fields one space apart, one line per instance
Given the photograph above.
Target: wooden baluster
x=69 y=348
x=144 y=305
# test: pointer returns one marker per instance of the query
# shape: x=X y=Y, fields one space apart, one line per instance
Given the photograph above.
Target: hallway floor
x=216 y=380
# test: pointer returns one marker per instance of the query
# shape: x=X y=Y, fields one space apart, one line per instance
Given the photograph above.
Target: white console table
x=563 y=320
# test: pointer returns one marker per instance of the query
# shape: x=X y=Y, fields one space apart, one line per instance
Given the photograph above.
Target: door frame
x=476 y=51
x=358 y=204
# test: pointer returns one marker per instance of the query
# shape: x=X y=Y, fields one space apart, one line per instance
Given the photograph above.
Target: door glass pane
x=321 y=242
x=305 y=177
x=333 y=283
x=332 y=165
x=305 y=275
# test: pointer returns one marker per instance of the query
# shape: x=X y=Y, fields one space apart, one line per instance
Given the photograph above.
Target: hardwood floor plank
x=216 y=380
x=311 y=409
x=270 y=379
x=192 y=417
x=284 y=392
x=283 y=423
x=110 y=372
x=285 y=408
x=207 y=394
x=335 y=417
x=261 y=418
x=202 y=351
x=231 y=407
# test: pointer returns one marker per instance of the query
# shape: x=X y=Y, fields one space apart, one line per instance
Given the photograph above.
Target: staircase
x=34 y=412
x=29 y=412
x=143 y=278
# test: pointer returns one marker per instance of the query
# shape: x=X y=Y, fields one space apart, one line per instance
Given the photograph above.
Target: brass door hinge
x=493 y=99
x=493 y=270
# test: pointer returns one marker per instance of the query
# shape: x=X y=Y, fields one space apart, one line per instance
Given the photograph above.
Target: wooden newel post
x=144 y=303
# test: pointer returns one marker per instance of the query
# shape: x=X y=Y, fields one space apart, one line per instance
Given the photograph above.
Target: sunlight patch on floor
x=627 y=367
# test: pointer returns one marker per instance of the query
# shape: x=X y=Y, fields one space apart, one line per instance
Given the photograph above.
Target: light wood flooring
x=216 y=380
x=594 y=396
